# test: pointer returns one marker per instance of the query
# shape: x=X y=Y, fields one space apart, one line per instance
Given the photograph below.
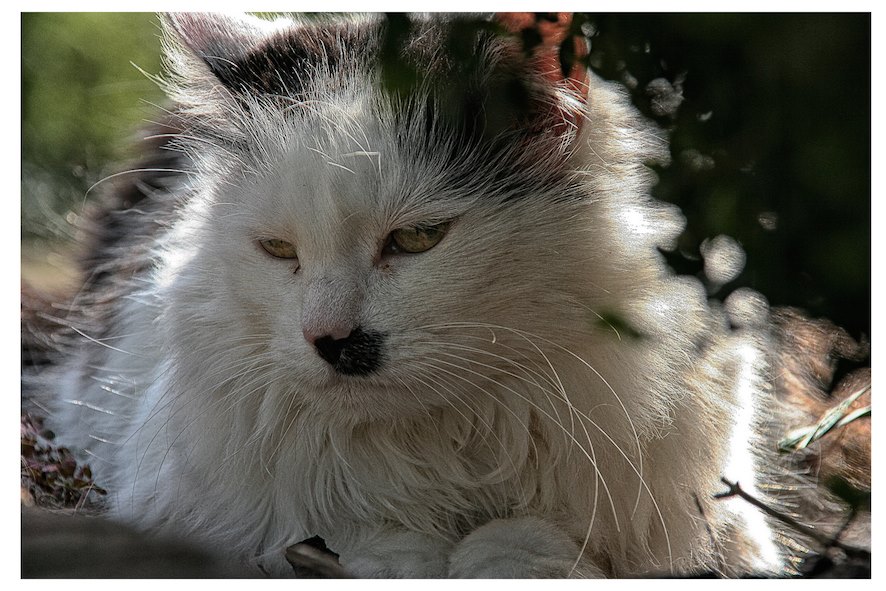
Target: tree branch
x=828 y=542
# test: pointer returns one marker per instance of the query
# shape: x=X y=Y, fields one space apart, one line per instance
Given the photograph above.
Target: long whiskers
x=637 y=469
x=526 y=336
x=475 y=415
x=590 y=457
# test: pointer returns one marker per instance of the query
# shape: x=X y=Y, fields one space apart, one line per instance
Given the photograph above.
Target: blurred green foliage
x=771 y=143
x=82 y=101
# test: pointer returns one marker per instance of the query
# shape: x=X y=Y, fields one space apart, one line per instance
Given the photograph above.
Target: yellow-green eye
x=418 y=239
x=279 y=248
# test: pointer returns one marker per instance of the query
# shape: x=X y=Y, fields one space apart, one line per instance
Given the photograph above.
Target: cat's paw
x=521 y=548
x=395 y=554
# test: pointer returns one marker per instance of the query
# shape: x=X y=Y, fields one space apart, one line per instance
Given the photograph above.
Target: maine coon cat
x=320 y=307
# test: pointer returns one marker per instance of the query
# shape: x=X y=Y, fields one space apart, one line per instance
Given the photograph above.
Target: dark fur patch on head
x=482 y=83
x=478 y=104
x=282 y=63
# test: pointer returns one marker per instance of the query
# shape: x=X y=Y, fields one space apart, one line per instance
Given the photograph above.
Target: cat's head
x=385 y=247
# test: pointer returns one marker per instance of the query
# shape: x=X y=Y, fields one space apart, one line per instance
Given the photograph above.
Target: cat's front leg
x=519 y=548
x=397 y=554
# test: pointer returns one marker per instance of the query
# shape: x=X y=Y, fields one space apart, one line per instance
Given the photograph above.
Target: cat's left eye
x=415 y=240
x=280 y=249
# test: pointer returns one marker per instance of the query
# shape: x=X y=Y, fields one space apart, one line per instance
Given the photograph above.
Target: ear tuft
x=553 y=30
x=558 y=55
x=219 y=40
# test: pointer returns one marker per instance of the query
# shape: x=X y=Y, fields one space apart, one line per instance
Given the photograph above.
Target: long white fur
x=511 y=432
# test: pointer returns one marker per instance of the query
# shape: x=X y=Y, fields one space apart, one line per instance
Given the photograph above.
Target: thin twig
x=828 y=542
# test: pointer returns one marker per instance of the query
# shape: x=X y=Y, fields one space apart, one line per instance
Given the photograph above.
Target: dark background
x=771 y=143
x=781 y=103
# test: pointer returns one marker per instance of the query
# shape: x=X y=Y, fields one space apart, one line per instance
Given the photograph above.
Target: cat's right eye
x=280 y=249
x=415 y=240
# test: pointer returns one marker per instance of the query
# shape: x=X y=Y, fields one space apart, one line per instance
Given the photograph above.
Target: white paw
x=522 y=548
x=396 y=554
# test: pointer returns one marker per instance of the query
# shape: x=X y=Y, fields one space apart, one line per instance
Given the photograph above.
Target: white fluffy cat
x=379 y=318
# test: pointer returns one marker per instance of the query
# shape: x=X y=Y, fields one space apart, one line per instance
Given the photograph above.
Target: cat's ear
x=555 y=47
x=214 y=42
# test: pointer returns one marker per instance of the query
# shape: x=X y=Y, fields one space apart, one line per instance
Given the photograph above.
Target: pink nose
x=334 y=332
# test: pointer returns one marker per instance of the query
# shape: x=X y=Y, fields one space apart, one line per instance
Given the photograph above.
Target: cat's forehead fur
x=255 y=91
